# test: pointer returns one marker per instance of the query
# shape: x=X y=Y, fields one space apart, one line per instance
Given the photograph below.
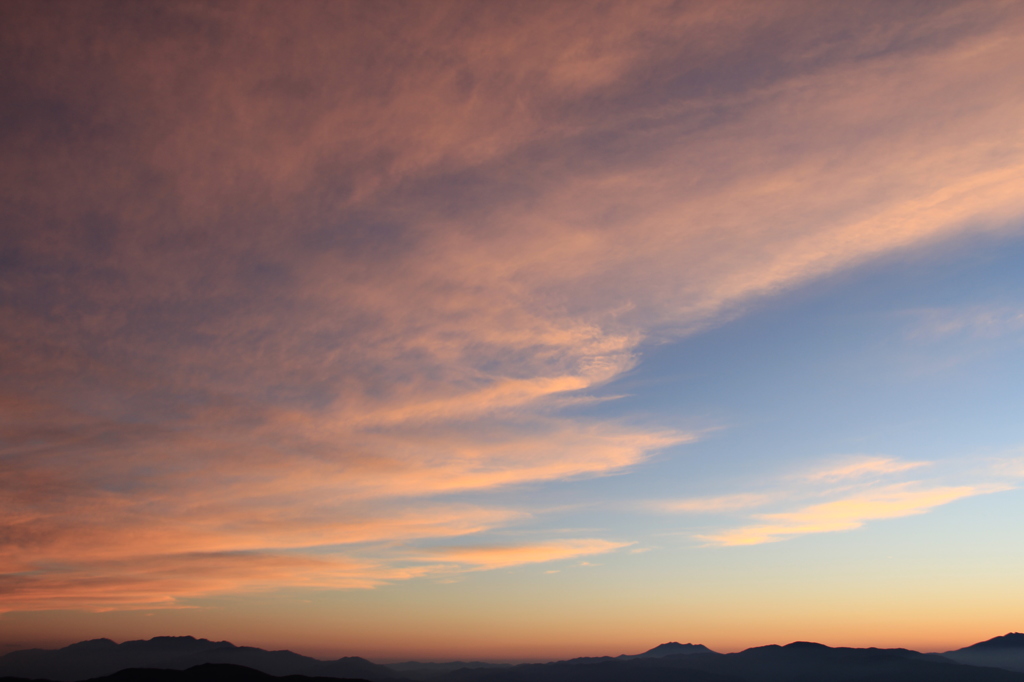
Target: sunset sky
x=511 y=330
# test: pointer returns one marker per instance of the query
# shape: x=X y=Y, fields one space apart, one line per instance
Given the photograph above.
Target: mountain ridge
x=1005 y=651
x=99 y=659
x=103 y=657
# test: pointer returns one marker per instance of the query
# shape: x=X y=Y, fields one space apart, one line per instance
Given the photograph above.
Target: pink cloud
x=514 y=555
x=260 y=311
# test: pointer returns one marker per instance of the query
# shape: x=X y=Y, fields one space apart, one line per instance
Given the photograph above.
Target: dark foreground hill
x=102 y=657
x=207 y=672
x=428 y=672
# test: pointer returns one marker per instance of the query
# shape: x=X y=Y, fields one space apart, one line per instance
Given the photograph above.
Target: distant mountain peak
x=675 y=649
x=1012 y=640
x=806 y=646
x=101 y=644
x=169 y=644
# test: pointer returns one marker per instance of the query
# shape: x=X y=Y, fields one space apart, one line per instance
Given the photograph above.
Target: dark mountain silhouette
x=590 y=670
x=208 y=672
x=1013 y=640
x=102 y=657
x=807 y=662
x=173 y=659
x=797 y=662
x=660 y=651
x=1005 y=652
x=415 y=670
x=673 y=649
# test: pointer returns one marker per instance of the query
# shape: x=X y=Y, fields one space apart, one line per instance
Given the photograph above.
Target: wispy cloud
x=866 y=466
x=720 y=503
x=848 y=512
x=978 y=321
x=839 y=497
x=514 y=555
x=270 y=293
x=163 y=580
x=1009 y=466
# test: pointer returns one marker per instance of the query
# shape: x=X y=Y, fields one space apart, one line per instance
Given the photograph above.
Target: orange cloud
x=270 y=313
x=161 y=581
x=836 y=498
x=848 y=513
x=301 y=518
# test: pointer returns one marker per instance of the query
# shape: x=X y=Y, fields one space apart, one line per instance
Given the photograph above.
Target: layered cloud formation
x=279 y=280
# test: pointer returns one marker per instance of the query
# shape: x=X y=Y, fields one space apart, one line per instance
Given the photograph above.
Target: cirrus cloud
x=285 y=278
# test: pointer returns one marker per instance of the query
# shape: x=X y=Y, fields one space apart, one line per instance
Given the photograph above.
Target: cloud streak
x=865 y=466
x=848 y=512
x=482 y=558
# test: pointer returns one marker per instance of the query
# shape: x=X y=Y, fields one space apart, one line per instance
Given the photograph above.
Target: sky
x=511 y=331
